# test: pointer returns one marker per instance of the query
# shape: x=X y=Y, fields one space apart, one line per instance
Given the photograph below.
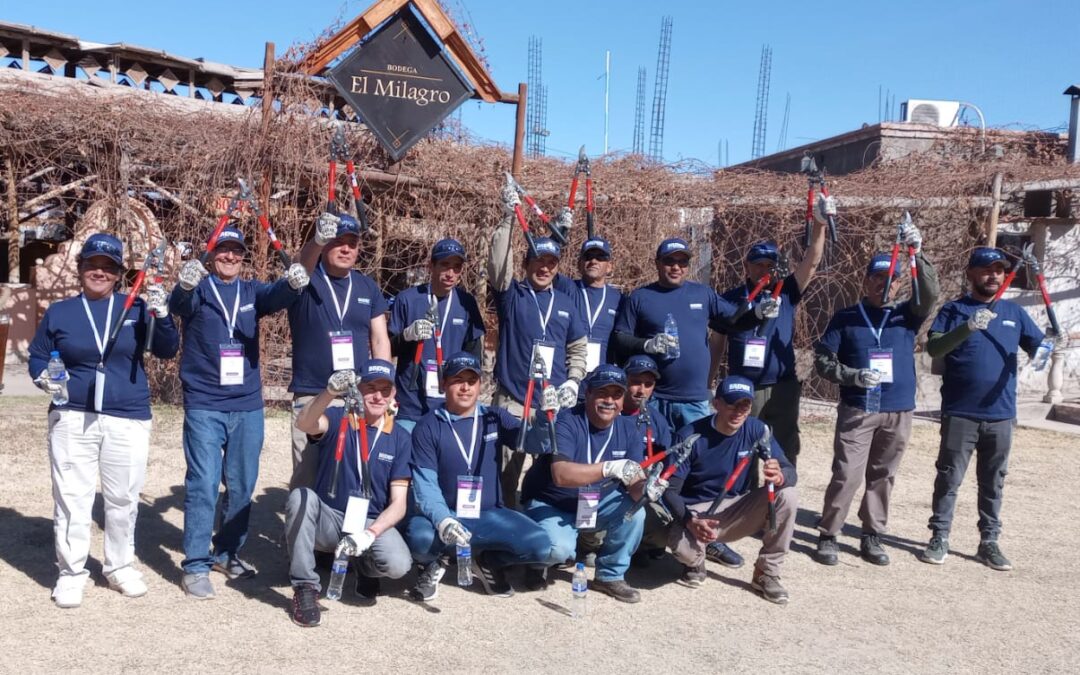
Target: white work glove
x=549 y=399
x=568 y=392
x=419 y=330
x=826 y=206
x=297 y=276
x=661 y=344
x=340 y=381
x=626 y=471
x=910 y=236
x=191 y=274
x=326 y=228
x=868 y=379
x=1061 y=341
x=157 y=301
x=768 y=307
x=49 y=385
x=981 y=319
x=452 y=532
x=354 y=545
x=656 y=490
x=563 y=220
x=510 y=199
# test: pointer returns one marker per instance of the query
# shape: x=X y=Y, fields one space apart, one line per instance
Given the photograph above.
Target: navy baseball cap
x=460 y=362
x=232 y=234
x=347 y=225
x=446 y=248
x=763 y=250
x=673 y=245
x=735 y=388
x=377 y=369
x=604 y=375
x=642 y=363
x=544 y=246
x=596 y=244
x=104 y=245
x=984 y=256
x=880 y=262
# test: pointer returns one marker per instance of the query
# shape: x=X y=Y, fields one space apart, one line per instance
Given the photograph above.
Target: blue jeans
x=619 y=544
x=511 y=536
x=218 y=446
x=680 y=413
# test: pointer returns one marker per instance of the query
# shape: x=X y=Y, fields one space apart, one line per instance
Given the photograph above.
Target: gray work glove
x=563 y=220
x=157 y=301
x=191 y=274
x=47 y=384
x=626 y=471
x=768 y=307
x=297 y=276
x=981 y=319
x=340 y=381
x=550 y=399
x=453 y=532
x=419 y=330
x=510 y=199
x=867 y=379
x=326 y=228
x=354 y=545
x=825 y=207
x=568 y=393
x=910 y=236
x=656 y=490
x=661 y=344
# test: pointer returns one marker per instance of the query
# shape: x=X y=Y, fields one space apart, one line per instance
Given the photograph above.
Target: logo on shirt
x=364 y=301
x=563 y=315
x=250 y=307
x=386 y=457
x=1010 y=324
x=618 y=454
x=695 y=305
x=611 y=312
x=129 y=322
x=743 y=453
x=494 y=435
x=457 y=322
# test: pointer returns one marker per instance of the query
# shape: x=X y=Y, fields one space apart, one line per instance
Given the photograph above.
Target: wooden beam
x=173 y=198
x=353 y=32
x=13 y=219
x=519 y=129
x=56 y=192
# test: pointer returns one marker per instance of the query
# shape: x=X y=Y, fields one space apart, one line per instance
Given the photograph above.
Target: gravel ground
x=907 y=617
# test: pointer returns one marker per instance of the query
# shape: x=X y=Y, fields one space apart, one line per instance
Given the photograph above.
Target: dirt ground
x=907 y=617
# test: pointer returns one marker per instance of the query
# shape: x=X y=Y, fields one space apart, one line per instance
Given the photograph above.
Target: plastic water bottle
x=58 y=373
x=1042 y=356
x=672 y=328
x=337 y=576
x=464 y=564
x=873 y=399
x=579 y=586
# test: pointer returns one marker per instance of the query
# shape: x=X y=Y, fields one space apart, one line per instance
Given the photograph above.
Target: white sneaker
x=128 y=581
x=68 y=592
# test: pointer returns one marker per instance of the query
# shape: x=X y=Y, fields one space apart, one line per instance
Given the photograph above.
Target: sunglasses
x=596 y=255
x=674 y=261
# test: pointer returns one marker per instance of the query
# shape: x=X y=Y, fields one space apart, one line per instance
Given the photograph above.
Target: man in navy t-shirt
x=869 y=350
x=458 y=327
x=979 y=347
x=338 y=323
x=340 y=505
x=599 y=300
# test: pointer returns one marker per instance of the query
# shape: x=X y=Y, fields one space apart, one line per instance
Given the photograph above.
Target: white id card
x=547 y=355
x=99 y=388
x=588 y=503
x=754 y=353
x=592 y=356
x=341 y=350
x=469 y=490
x=355 y=514
x=231 y=360
x=431 y=381
x=881 y=361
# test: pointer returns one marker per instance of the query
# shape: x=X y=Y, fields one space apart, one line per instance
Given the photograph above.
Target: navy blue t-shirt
x=779 y=336
x=65 y=328
x=390 y=454
x=980 y=374
x=851 y=338
x=314 y=316
x=461 y=326
x=574 y=434
x=693 y=306
x=520 y=326
x=599 y=307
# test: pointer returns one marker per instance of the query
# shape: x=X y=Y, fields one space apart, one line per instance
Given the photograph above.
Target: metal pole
x=607 y=95
x=1074 y=117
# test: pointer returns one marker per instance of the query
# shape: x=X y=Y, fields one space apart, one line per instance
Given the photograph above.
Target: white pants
x=83 y=446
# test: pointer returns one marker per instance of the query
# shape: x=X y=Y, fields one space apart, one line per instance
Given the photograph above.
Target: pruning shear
x=764 y=449
x=583 y=168
x=219 y=227
x=247 y=196
x=1029 y=258
x=537 y=375
x=431 y=315
x=678 y=454
x=557 y=233
x=914 y=265
x=339 y=152
x=354 y=418
x=1026 y=253
x=815 y=179
x=780 y=272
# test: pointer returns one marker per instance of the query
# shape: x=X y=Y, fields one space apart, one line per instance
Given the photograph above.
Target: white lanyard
x=446 y=314
x=544 y=318
x=875 y=332
x=467 y=456
x=592 y=317
x=230 y=321
x=603 y=448
x=359 y=456
x=341 y=310
x=98 y=337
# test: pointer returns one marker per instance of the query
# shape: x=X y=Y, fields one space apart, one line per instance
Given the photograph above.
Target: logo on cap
x=739 y=386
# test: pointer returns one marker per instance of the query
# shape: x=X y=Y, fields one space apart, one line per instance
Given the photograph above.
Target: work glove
x=656 y=490
x=419 y=330
x=340 y=381
x=568 y=392
x=662 y=344
x=768 y=307
x=549 y=399
x=326 y=228
x=354 y=545
x=297 y=276
x=826 y=206
x=157 y=301
x=910 y=236
x=453 y=532
x=1061 y=341
x=510 y=199
x=49 y=385
x=626 y=471
x=981 y=319
x=563 y=220
x=868 y=379
x=191 y=274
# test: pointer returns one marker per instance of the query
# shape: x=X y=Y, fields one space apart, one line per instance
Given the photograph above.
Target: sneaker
x=427 y=581
x=536 y=578
x=872 y=551
x=828 y=552
x=693 y=576
x=720 y=552
x=769 y=587
x=367 y=588
x=990 y=555
x=618 y=589
x=936 y=551
x=235 y=568
x=493 y=579
x=198 y=586
x=129 y=582
x=68 y=592
x=305 y=606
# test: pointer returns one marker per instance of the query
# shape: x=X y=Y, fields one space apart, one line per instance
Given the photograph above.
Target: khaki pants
x=870 y=445
x=778 y=406
x=305 y=456
x=514 y=464
x=740 y=517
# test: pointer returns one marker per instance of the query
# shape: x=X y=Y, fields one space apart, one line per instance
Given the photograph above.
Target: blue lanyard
x=881 y=328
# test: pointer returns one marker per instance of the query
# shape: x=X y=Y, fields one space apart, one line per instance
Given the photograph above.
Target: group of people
x=605 y=439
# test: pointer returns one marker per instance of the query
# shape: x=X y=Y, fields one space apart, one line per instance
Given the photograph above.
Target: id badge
x=431 y=381
x=546 y=350
x=355 y=514
x=881 y=361
x=99 y=388
x=231 y=364
x=754 y=353
x=341 y=350
x=592 y=356
x=588 y=503
x=469 y=490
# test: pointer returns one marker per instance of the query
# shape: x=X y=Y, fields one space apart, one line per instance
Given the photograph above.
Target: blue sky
x=1012 y=59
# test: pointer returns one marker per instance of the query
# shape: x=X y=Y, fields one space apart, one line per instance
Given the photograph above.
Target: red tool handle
x=653 y=459
x=914 y=264
x=669 y=472
x=332 y=189
x=365 y=451
x=218 y=229
x=777 y=289
x=343 y=430
x=438 y=348
x=810 y=206
x=588 y=195
x=350 y=168
x=895 y=256
x=1042 y=289
x=132 y=294
x=419 y=356
x=1004 y=286
x=521 y=219
x=739 y=468
x=528 y=399
x=536 y=209
x=648 y=442
x=761 y=284
x=573 y=192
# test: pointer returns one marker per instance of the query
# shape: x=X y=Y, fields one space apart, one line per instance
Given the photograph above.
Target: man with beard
x=599 y=300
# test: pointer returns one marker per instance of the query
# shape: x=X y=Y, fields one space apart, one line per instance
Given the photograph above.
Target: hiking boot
x=936 y=551
x=536 y=578
x=129 y=582
x=493 y=579
x=305 y=605
x=68 y=592
x=872 y=551
x=693 y=576
x=769 y=587
x=828 y=552
x=618 y=589
x=234 y=568
x=427 y=581
x=367 y=588
x=990 y=555
x=720 y=552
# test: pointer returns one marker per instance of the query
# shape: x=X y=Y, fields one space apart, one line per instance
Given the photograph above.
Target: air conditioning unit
x=936 y=113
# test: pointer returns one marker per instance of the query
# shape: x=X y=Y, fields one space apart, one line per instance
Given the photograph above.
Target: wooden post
x=995 y=212
x=13 y=220
x=267 y=111
x=519 y=129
